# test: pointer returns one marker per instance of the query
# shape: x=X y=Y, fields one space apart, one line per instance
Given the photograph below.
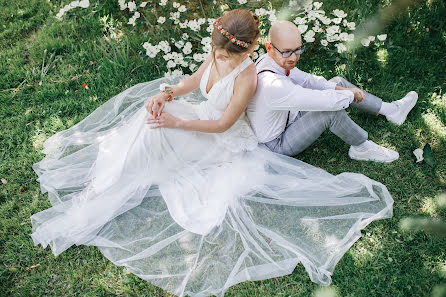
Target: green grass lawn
x=384 y=262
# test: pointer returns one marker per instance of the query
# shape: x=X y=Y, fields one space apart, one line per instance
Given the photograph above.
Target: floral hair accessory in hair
x=230 y=36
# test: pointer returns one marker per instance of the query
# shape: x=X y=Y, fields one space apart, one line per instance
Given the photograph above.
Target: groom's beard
x=290 y=65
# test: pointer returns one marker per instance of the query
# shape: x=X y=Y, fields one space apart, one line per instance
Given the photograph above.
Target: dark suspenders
x=267 y=70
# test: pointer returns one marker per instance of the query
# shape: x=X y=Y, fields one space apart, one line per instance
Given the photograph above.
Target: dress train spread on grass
x=195 y=213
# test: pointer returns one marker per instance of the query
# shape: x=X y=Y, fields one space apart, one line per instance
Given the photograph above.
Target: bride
x=180 y=192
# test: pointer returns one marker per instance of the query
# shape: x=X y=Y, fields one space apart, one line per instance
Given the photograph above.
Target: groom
x=292 y=108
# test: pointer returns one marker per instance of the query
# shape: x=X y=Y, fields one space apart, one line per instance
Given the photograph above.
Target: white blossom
x=199 y=57
x=185 y=36
x=309 y=36
x=206 y=40
x=164 y=46
x=182 y=8
x=143 y=4
x=317 y=5
x=176 y=4
x=343 y=36
x=381 y=37
x=351 y=26
x=302 y=28
x=177 y=72
x=324 y=42
x=312 y=15
x=336 y=20
x=193 y=25
x=242 y=1
x=74 y=4
x=325 y=20
x=84 y=3
x=365 y=42
x=163 y=2
x=161 y=20
x=333 y=38
x=122 y=4
x=183 y=25
x=179 y=43
x=131 y=5
x=192 y=66
x=187 y=50
x=372 y=38
x=339 y=13
x=300 y=21
x=151 y=50
x=341 y=47
x=332 y=30
x=316 y=28
x=261 y=12
x=174 y=15
x=131 y=21
x=272 y=17
x=171 y=64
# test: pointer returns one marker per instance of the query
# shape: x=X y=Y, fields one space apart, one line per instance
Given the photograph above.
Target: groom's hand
x=359 y=95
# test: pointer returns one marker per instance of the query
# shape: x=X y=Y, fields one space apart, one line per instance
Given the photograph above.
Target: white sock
x=362 y=147
x=388 y=108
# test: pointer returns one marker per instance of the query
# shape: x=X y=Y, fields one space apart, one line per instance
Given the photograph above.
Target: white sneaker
x=405 y=105
x=374 y=152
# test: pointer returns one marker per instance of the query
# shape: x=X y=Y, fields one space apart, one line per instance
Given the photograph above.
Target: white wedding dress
x=195 y=213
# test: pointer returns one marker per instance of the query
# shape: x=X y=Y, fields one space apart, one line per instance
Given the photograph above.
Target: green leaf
x=428 y=155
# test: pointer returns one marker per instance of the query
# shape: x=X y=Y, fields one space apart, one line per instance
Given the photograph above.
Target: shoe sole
x=379 y=161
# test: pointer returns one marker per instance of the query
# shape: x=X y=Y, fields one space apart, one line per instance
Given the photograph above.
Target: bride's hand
x=156 y=104
x=165 y=120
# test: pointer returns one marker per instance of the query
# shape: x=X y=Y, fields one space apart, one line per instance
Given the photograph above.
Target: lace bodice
x=240 y=136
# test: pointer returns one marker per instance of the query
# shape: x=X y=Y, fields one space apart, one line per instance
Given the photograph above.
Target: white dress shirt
x=277 y=94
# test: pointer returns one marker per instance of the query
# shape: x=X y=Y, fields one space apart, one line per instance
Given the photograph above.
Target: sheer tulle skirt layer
x=181 y=211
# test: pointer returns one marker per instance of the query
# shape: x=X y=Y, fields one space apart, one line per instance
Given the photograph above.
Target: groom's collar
x=266 y=62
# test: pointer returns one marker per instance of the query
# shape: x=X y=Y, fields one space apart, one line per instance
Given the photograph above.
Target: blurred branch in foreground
x=375 y=24
x=429 y=225
x=434 y=226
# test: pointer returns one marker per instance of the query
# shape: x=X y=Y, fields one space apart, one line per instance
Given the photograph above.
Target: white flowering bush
x=333 y=30
x=183 y=39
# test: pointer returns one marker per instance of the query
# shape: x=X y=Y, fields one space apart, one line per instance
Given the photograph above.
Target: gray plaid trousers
x=308 y=126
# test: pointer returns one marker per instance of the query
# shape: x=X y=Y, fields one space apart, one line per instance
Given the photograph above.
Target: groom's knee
x=330 y=118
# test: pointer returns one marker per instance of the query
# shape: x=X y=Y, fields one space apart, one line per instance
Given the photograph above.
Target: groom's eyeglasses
x=287 y=54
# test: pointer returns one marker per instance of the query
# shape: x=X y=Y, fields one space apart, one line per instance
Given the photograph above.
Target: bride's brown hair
x=241 y=23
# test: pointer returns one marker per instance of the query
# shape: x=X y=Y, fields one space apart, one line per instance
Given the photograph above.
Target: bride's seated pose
x=174 y=186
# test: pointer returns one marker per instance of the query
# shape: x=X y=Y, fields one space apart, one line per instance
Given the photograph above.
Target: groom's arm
x=311 y=81
x=281 y=93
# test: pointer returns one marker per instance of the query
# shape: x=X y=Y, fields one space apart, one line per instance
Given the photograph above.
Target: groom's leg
x=304 y=131
x=370 y=104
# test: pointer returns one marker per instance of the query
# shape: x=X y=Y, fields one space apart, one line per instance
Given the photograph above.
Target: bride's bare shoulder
x=247 y=78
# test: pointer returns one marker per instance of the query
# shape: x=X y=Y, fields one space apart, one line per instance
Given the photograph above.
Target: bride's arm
x=244 y=88
x=191 y=82
x=156 y=103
